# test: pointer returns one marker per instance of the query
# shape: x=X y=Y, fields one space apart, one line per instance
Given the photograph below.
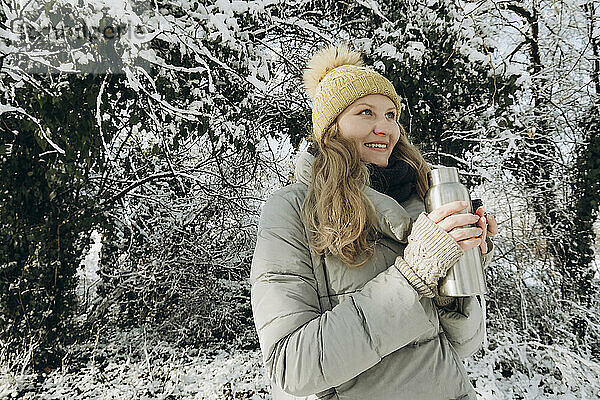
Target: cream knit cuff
x=412 y=278
x=430 y=252
x=434 y=242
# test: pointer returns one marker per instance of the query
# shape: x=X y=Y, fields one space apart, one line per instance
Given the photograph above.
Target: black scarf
x=397 y=180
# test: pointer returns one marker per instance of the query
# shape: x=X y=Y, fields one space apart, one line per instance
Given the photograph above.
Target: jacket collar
x=392 y=218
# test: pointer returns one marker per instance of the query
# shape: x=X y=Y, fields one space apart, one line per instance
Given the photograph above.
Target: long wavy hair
x=336 y=210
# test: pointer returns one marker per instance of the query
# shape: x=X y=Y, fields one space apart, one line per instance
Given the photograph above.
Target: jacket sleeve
x=304 y=350
x=464 y=327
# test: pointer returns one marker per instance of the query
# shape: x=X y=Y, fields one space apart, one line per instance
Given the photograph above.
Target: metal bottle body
x=466 y=277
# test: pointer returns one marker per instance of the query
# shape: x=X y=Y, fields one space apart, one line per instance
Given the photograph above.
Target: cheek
x=396 y=138
x=354 y=131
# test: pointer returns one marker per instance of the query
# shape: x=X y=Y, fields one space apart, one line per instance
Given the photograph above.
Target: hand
x=488 y=224
x=466 y=237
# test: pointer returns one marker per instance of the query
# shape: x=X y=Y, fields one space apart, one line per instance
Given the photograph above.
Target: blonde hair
x=336 y=210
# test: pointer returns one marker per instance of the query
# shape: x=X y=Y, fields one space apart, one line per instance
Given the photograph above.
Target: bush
x=45 y=217
x=180 y=269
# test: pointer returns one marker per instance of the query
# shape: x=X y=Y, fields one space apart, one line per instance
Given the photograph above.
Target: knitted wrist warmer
x=430 y=252
x=414 y=279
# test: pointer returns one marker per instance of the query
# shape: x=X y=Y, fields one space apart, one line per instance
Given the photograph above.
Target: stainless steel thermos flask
x=466 y=277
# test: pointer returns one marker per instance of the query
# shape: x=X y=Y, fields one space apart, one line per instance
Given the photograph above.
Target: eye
x=392 y=114
x=366 y=109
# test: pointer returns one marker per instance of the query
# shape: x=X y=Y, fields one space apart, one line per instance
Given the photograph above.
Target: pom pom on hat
x=324 y=61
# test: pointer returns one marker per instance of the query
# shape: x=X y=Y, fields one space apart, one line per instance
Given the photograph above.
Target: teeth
x=381 y=146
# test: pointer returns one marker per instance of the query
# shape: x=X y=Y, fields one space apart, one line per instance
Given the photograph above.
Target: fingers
x=469 y=243
x=492 y=225
x=466 y=233
x=483 y=246
x=459 y=225
x=468 y=238
x=484 y=227
x=457 y=220
x=447 y=209
x=482 y=223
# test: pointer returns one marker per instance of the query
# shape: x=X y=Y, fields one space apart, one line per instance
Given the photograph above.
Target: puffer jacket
x=330 y=332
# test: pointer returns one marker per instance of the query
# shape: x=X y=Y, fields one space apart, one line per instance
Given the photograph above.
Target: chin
x=380 y=163
x=373 y=159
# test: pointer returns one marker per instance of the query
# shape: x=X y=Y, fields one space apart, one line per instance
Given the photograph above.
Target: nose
x=381 y=127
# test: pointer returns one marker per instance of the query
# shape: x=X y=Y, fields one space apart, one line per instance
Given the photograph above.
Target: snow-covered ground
x=132 y=366
x=127 y=365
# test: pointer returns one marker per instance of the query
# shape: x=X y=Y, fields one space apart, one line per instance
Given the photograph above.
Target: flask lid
x=443 y=175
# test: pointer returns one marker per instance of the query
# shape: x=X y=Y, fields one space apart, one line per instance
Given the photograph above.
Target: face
x=371 y=122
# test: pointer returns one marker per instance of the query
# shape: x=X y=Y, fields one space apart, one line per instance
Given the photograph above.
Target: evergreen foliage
x=46 y=213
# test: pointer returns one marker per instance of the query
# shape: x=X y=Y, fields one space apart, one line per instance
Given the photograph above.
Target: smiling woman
x=345 y=270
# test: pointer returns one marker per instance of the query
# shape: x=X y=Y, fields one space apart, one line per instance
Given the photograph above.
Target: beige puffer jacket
x=330 y=332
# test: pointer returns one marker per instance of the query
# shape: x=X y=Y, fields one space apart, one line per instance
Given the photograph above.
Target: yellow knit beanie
x=334 y=78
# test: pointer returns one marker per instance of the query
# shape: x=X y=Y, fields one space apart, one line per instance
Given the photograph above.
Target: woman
x=346 y=265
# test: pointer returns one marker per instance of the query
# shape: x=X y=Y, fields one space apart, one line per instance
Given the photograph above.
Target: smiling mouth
x=378 y=147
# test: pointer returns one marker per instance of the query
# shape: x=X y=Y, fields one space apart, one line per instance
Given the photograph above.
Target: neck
x=397 y=180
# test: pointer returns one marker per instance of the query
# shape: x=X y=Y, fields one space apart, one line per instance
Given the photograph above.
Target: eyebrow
x=367 y=104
